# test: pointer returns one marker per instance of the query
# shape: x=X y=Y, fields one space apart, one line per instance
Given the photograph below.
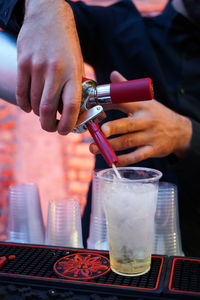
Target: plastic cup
x=167 y=239
x=98 y=230
x=130 y=205
x=25 y=223
x=64 y=223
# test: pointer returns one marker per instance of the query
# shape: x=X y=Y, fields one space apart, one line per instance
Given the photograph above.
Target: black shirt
x=165 y=48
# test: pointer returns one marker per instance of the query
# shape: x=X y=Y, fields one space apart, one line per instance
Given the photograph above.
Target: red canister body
x=131 y=90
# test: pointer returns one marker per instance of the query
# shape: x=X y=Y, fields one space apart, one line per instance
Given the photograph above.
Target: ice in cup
x=130 y=205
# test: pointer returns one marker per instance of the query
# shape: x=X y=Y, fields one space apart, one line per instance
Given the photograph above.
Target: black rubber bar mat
x=183 y=278
x=42 y=265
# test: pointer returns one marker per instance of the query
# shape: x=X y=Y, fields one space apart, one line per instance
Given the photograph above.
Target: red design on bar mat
x=82 y=266
x=11 y=256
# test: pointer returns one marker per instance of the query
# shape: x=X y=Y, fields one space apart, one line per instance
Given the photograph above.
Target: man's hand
x=152 y=128
x=50 y=65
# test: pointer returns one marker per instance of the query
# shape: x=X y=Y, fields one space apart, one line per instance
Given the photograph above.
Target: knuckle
x=46 y=109
x=73 y=106
x=107 y=130
x=23 y=63
x=55 y=65
x=37 y=66
x=128 y=142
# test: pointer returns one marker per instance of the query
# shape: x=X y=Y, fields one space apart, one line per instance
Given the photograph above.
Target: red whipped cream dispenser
x=94 y=97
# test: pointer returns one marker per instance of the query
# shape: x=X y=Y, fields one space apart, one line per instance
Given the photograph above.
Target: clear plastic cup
x=167 y=238
x=64 y=223
x=130 y=205
x=98 y=231
x=98 y=234
x=25 y=222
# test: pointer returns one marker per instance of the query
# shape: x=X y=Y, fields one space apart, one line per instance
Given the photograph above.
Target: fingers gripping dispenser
x=95 y=97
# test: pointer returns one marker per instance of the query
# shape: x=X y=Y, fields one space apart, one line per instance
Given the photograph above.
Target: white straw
x=116 y=171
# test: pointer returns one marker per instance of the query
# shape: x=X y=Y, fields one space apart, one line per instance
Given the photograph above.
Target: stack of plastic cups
x=64 y=223
x=167 y=239
x=25 y=223
x=98 y=230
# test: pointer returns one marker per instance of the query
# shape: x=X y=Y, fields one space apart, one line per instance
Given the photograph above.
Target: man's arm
x=50 y=65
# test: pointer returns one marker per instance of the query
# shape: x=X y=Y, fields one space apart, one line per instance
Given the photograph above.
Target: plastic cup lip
x=64 y=201
x=156 y=177
x=20 y=186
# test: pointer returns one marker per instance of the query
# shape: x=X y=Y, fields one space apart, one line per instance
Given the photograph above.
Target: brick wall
x=8 y=149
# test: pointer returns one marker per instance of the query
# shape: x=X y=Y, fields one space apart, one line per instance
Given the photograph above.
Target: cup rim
x=64 y=200
x=158 y=174
x=18 y=186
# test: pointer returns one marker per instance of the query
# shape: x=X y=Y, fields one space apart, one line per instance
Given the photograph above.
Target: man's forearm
x=50 y=64
x=33 y=8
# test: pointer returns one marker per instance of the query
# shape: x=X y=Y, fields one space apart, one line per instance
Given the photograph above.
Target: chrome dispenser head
x=95 y=113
